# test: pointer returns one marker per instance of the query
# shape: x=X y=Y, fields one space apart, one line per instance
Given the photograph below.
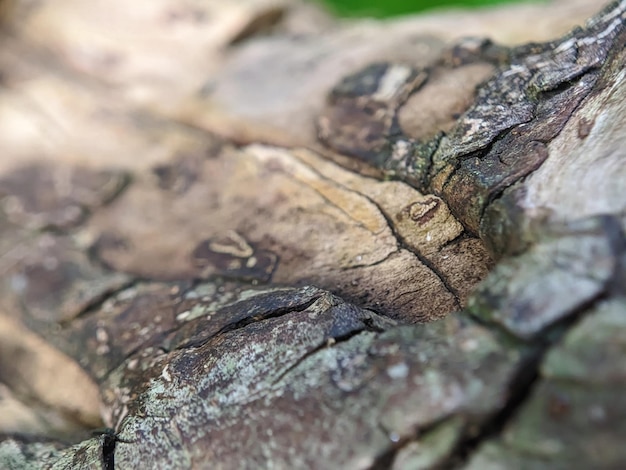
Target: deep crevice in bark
x=520 y=389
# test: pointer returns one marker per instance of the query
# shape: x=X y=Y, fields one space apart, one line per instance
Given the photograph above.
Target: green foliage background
x=381 y=8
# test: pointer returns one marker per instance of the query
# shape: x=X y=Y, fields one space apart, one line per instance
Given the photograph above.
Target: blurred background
x=383 y=8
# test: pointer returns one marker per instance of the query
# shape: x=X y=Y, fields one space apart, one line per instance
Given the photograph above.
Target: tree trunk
x=247 y=235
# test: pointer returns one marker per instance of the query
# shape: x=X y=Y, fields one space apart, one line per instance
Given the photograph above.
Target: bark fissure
x=279 y=312
x=422 y=259
x=162 y=218
x=521 y=387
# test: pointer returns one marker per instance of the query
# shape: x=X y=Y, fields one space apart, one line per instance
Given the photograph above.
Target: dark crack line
x=617 y=242
x=519 y=391
x=464 y=235
x=387 y=457
x=520 y=388
x=442 y=278
x=372 y=264
x=329 y=201
x=420 y=256
x=404 y=294
x=328 y=343
x=276 y=313
x=159 y=339
x=279 y=312
x=459 y=159
x=340 y=186
x=498 y=193
x=407 y=174
x=109 y=439
x=400 y=243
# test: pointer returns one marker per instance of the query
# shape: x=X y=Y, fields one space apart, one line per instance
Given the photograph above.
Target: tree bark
x=247 y=235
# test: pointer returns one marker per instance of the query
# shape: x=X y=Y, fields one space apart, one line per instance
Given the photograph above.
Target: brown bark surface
x=248 y=235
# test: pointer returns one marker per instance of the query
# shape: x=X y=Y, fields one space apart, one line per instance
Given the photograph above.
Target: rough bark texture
x=246 y=235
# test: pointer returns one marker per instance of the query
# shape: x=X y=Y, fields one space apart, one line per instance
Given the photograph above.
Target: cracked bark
x=404 y=255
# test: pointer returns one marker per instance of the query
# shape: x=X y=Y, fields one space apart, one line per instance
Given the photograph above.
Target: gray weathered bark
x=272 y=240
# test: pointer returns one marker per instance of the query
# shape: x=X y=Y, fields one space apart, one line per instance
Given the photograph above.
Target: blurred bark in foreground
x=248 y=235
